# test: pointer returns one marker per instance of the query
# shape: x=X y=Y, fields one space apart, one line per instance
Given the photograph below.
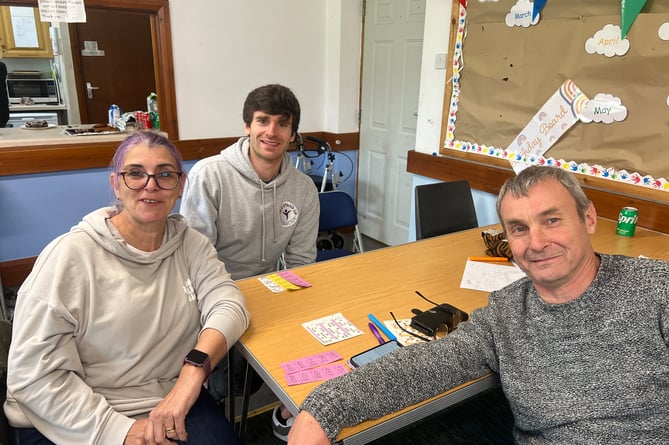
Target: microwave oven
x=40 y=91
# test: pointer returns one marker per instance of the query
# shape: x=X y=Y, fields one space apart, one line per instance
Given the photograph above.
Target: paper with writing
x=489 y=276
x=332 y=329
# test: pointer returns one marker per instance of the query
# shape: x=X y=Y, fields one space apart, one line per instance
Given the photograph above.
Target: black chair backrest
x=4 y=98
x=5 y=339
x=444 y=207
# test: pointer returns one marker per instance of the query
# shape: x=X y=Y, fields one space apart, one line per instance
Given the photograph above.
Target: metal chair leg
x=3 y=305
x=245 y=402
x=231 y=398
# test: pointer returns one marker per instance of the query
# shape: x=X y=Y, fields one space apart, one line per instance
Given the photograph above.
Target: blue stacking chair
x=337 y=212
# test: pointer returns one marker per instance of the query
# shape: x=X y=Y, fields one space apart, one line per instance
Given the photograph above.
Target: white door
x=392 y=55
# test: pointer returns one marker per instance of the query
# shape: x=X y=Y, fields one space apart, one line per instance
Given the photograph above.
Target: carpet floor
x=484 y=419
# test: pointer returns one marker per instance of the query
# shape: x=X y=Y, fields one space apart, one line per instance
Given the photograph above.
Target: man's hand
x=306 y=431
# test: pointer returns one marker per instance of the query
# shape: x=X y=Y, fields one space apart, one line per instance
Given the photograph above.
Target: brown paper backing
x=507 y=74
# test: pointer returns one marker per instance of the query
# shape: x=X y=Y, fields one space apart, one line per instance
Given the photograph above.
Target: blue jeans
x=206 y=424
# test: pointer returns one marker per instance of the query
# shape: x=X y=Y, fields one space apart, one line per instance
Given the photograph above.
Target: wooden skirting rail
x=14 y=272
x=488 y=174
x=64 y=157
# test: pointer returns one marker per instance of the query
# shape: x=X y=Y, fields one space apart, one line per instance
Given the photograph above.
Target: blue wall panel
x=34 y=209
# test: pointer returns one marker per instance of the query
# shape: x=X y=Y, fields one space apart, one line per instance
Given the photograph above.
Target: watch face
x=196 y=357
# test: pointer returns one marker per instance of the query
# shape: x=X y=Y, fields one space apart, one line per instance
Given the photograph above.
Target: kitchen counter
x=23 y=137
x=18 y=108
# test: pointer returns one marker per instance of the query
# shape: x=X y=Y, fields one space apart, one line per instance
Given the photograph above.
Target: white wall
x=432 y=80
x=223 y=50
x=431 y=104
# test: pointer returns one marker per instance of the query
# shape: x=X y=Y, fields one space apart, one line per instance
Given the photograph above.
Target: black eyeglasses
x=138 y=179
x=421 y=337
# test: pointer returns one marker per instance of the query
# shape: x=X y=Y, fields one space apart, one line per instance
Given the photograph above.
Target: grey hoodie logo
x=189 y=290
x=288 y=213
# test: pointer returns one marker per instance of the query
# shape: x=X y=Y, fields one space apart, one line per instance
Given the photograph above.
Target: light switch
x=440 y=61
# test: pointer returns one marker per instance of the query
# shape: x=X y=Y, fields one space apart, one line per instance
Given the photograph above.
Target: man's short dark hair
x=272 y=99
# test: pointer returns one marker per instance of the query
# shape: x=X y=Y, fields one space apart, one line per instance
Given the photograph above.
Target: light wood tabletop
x=378 y=282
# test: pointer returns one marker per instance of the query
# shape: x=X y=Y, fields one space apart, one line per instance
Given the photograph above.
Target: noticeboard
x=501 y=77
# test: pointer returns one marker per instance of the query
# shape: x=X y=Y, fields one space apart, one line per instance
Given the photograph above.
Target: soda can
x=627 y=221
x=143 y=120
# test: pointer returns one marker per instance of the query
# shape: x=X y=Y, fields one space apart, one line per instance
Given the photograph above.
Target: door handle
x=89 y=89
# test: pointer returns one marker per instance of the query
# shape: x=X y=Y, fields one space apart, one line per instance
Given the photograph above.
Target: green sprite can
x=627 y=221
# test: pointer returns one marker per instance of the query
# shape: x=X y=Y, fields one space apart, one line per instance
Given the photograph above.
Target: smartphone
x=373 y=353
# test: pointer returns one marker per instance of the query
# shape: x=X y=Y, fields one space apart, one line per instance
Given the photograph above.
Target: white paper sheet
x=332 y=329
x=488 y=277
x=68 y=11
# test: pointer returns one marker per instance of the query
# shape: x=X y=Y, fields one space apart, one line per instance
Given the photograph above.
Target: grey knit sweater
x=591 y=371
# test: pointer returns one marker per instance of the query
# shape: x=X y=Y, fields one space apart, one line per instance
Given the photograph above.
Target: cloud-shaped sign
x=663 y=31
x=608 y=41
x=604 y=108
x=521 y=15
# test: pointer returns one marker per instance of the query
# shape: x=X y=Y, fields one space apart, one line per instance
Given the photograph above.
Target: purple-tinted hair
x=151 y=139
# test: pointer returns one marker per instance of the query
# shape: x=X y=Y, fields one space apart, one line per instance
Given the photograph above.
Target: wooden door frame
x=79 y=79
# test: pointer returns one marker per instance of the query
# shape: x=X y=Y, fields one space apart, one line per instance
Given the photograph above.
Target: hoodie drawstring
x=274 y=212
x=264 y=222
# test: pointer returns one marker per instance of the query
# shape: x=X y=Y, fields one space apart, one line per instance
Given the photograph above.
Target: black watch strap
x=201 y=360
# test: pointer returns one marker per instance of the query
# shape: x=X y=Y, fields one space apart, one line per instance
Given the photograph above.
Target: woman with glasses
x=120 y=322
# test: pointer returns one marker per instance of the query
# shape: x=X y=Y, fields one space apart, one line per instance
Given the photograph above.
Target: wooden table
x=378 y=282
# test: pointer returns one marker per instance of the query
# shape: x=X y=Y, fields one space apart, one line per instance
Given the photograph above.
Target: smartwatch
x=199 y=359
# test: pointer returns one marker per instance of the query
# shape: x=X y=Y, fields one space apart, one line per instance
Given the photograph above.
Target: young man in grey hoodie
x=251 y=202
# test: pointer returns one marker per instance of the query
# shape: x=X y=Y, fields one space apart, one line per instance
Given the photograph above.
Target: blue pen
x=376 y=333
x=380 y=325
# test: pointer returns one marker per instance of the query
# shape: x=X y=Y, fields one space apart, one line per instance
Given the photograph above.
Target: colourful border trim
x=472 y=147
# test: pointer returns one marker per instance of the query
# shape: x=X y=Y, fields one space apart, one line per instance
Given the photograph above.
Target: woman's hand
x=136 y=435
x=168 y=419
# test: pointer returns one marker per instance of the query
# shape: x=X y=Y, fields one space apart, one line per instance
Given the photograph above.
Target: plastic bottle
x=152 y=108
x=152 y=103
x=155 y=120
x=114 y=115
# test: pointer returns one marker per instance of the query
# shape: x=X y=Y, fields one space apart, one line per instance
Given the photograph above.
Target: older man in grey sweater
x=581 y=344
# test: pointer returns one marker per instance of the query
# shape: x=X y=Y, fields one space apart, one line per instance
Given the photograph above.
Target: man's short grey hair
x=519 y=185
